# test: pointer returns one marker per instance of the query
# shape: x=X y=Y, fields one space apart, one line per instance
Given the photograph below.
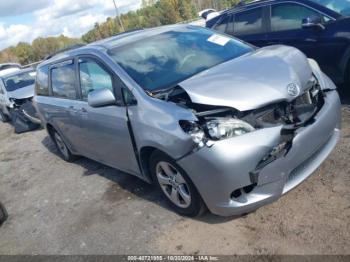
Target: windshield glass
x=164 y=60
x=339 y=6
x=15 y=82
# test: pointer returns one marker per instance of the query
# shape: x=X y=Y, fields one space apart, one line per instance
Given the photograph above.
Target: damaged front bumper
x=24 y=116
x=228 y=176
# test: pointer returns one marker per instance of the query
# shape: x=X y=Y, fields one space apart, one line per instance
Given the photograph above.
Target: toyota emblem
x=293 y=90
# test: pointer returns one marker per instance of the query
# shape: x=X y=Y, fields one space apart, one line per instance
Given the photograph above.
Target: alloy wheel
x=173 y=184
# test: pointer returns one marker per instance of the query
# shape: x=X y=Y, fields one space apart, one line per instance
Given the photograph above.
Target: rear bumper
x=226 y=166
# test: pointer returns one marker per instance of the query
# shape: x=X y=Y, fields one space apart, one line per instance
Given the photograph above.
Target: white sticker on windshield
x=32 y=73
x=219 y=39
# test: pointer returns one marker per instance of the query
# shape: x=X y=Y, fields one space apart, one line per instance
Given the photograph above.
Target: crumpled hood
x=251 y=81
x=22 y=93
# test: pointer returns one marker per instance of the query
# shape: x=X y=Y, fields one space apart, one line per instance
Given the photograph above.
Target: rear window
x=248 y=22
x=63 y=81
x=42 y=81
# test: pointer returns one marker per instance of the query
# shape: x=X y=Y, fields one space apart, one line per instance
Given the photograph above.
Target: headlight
x=215 y=129
x=225 y=128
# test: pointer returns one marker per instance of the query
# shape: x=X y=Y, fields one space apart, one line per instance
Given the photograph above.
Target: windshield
x=164 y=60
x=15 y=82
x=339 y=6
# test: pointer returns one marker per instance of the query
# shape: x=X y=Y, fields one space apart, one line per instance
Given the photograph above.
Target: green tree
x=24 y=53
x=186 y=10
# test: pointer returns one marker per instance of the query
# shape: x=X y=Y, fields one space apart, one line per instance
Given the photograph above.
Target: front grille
x=297 y=112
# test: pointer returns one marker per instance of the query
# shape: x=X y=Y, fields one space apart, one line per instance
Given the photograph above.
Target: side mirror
x=101 y=97
x=312 y=22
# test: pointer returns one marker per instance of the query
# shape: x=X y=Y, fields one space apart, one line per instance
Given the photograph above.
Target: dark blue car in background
x=319 y=28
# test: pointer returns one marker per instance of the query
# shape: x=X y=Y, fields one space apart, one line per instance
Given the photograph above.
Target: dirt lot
x=87 y=208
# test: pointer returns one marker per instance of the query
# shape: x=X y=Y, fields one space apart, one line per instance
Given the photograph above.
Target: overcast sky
x=25 y=20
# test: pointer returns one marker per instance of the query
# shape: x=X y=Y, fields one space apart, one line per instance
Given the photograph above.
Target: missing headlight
x=195 y=131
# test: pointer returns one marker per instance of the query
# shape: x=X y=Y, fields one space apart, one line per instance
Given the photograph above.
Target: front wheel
x=179 y=191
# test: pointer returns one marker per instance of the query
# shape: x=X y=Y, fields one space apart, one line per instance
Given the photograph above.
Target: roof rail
x=71 y=47
x=33 y=65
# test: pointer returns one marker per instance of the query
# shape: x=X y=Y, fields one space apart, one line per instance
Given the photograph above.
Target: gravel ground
x=87 y=208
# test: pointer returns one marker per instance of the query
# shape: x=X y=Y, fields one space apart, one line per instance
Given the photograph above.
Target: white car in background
x=16 y=94
x=208 y=14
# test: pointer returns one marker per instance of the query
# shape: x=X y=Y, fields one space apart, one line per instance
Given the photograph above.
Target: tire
x=4 y=118
x=175 y=185
x=62 y=148
x=3 y=214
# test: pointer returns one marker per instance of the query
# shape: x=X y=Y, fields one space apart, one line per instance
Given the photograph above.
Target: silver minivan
x=212 y=121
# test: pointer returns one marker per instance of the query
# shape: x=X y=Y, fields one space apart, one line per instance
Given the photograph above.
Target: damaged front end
x=284 y=143
x=217 y=123
x=23 y=114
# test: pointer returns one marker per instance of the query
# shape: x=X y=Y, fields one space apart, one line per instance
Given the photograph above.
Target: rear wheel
x=62 y=148
x=179 y=191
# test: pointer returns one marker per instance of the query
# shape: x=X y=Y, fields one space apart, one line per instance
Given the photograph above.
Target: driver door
x=105 y=131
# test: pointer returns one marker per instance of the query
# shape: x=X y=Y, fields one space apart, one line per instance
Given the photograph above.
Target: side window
x=93 y=76
x=289 y=16
x=42 y=81
x=222 y=24
x=249 y=22
x=63 y=81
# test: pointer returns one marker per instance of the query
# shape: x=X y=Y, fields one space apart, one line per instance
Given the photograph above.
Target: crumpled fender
x=325 y=82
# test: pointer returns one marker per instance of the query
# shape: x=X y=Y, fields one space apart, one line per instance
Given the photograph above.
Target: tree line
x=151 y=14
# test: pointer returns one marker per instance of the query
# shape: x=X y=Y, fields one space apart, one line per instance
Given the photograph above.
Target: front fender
x=155 y=123
x=324 y=80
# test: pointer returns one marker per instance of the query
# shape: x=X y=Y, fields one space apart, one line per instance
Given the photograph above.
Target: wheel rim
x=173 y=184
x=61 y=146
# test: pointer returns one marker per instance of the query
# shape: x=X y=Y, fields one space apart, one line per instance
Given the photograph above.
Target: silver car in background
x=16 y=94
x=212 y=121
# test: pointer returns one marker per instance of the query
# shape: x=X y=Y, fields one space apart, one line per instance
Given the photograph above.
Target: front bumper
x=219 y=170
x=24 y=117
